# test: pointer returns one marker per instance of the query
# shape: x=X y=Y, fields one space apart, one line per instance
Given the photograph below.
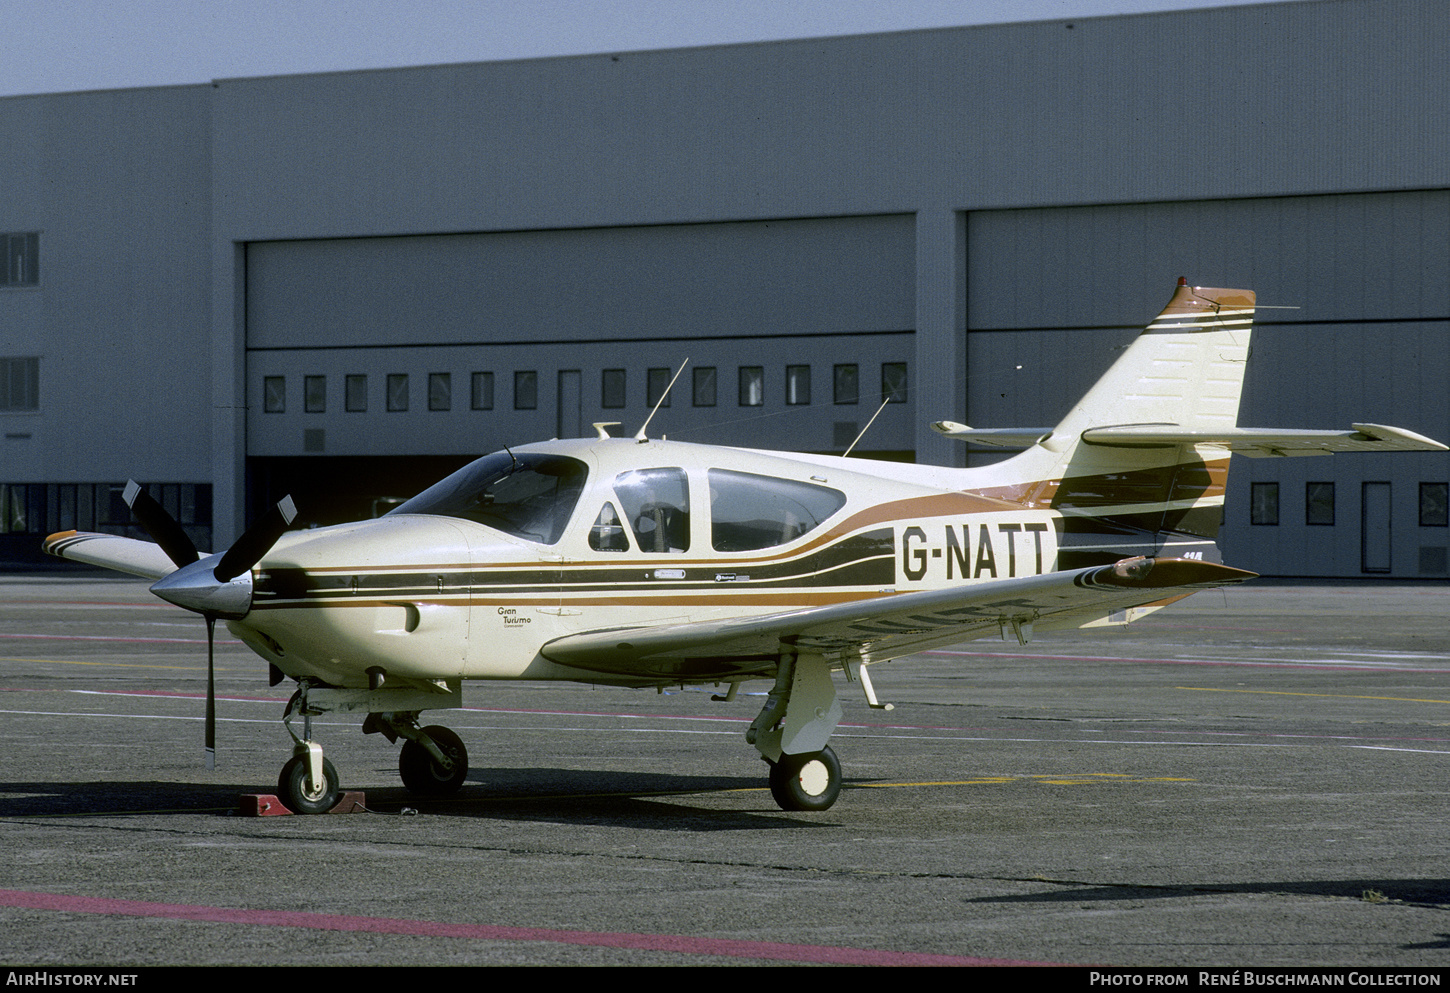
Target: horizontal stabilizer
x=128 y=555
x=996 y=437
x=1266 y=442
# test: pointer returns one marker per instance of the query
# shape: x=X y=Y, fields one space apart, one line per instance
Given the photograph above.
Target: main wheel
x=806 y=782
x=422 y=775
x=293 y=792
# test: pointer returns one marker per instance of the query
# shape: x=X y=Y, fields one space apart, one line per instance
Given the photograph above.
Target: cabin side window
x=656 y=504
x=607 y=534
x=750 y=512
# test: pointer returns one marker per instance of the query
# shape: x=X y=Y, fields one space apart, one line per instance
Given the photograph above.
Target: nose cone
x=195 y=587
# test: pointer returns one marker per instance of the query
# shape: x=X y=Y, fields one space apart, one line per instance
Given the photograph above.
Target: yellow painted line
x=114 y=665
x=1335 y=696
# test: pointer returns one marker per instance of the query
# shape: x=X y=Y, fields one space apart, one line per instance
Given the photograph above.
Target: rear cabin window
x=749 y=512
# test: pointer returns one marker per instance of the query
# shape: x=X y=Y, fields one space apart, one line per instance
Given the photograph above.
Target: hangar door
x=1054 y=294
x=795 y=276
x=449 y=346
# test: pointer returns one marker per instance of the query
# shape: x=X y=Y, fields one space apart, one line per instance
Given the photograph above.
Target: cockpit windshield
x=530 y=496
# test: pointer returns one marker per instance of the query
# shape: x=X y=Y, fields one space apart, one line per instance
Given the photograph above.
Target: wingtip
x=52 y=542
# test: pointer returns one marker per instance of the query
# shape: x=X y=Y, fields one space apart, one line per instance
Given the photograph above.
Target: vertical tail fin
x=1184 y=374
x=1185 y=369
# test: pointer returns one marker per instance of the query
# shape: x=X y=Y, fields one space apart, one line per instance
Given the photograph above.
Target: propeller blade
x=210 y=694
x=160 y=525
x=248 y=550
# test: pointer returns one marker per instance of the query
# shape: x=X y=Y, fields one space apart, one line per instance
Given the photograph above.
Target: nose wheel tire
x=422 y=775
x=806 y=782
x=293 y=791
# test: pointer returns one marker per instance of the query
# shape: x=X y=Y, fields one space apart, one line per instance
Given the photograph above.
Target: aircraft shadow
x=661 y=801
x=1426 y=892
x=119 y=798
x=565 y=796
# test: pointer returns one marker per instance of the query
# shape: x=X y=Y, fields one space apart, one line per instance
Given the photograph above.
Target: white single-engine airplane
x=636 y=562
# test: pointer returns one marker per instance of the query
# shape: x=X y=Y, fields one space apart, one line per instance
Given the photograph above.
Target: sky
x=57 y=46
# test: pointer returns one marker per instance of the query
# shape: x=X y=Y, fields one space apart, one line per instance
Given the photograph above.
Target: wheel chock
x=267 y=804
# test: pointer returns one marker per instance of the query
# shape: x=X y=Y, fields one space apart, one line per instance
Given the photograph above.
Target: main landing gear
x=432 y=762
x=791 y=732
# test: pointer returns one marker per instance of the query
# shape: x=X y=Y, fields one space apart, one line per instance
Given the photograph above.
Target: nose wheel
x=300 y=793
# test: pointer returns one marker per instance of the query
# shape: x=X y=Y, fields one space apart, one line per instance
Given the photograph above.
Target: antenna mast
x=640 y=435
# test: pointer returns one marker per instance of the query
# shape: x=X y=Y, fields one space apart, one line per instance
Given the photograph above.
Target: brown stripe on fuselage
x=662 y=597
x=1181 y=482
x=915 y=508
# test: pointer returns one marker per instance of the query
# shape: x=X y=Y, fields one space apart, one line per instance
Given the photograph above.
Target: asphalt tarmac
x=1250 y=778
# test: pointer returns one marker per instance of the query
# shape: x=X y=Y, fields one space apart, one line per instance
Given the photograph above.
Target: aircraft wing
x=110 y=551
x=889 y=626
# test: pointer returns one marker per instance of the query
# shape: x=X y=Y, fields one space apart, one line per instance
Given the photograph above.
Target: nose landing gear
x=308 y=782
x=433 y=760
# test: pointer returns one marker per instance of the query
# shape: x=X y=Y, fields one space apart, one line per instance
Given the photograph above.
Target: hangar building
x=342 y=285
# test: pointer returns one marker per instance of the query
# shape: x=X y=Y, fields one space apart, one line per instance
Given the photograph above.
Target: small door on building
x=571 y=405
x=1375 y=528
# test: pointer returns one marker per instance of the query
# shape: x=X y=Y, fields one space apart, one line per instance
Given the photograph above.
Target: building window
x=20 y=384
x=1264 y=503
x=22 y=259
x=752 y=385
x=274 y=394
x=846 y=385
x=797 y=384
x=314 y=394
x=611 y=388
x=893 y=381
x=704 y=393
x=1434 y=498
x=355 y=394
x=440 y=391
x=526 y=391
x=397 y=392
x=1318 y=503
x=656 y=388
x=481 y=391
x=21 y=508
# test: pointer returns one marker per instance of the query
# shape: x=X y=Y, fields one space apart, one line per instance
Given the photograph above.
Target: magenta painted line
x=775 y=951
x=1345 y=666
x=169 y=694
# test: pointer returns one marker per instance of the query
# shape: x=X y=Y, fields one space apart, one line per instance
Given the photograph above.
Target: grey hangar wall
x=995 y=209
